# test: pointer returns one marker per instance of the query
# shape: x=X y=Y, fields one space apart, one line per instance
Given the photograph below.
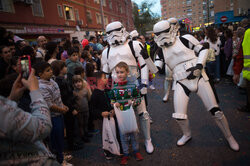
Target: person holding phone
x=23 y=131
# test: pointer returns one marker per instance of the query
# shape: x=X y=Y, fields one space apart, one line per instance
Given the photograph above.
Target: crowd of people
x=226 y=55
x=66 y=87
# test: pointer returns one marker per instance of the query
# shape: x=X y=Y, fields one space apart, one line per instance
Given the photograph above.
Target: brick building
x=240 y=7
x=62 y=18
x=231 y=11
x=199 y=12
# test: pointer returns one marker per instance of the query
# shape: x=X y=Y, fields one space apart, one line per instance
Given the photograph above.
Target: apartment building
x=62 y=18
x=199 y=12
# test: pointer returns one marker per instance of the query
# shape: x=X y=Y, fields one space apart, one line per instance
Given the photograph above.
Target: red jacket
x=238 y=60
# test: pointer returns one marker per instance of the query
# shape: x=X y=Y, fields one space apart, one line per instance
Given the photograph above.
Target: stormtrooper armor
x=134 y=35
x=159 y=62
x=119 y=51
x=186 y=57
x=116 y=33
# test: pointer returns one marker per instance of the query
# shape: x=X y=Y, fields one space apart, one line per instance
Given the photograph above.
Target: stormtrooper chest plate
x=121 y=53
x=177 y=54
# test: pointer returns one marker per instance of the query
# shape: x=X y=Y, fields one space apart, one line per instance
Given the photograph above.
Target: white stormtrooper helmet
x=134 y=35
x=165 y=32
x=174 y=25
x=116 y=33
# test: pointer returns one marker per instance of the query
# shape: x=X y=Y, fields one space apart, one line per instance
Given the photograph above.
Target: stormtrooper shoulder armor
x=191 y=39
x=137 y=47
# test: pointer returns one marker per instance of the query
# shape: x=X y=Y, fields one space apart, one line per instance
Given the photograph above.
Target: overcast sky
x=155 y=9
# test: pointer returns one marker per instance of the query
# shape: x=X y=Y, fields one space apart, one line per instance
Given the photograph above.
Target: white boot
x=165 y=98
x=221 y=121
x=184 y=125
x=145 y=127
x=167 y=85
x=149 y=146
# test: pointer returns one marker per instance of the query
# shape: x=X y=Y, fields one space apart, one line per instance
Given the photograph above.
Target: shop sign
x=43 y=30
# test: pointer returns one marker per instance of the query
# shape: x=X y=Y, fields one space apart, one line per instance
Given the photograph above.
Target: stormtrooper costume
x=186 y=57
x=159 y=62
x=120 y=51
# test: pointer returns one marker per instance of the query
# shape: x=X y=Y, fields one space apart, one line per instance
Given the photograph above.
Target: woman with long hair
x=228 y=48
x=51 y=53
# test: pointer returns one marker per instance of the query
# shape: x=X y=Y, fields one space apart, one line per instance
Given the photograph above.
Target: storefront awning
x=226 y=17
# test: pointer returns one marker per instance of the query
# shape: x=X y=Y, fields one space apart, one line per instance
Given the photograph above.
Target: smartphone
x=25 y=66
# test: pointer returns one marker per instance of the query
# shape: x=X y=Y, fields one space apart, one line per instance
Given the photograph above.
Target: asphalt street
x=208 y=145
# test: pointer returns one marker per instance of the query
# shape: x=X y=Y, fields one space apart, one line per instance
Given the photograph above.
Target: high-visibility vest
x=246 y=55
x=148 y=49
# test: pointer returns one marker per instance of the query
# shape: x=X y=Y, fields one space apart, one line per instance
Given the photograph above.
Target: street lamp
x=102 y=16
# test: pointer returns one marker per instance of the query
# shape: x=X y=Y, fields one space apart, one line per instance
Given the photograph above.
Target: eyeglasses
x=164 y=31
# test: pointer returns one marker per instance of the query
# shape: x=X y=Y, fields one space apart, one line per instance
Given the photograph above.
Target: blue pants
x=217 y=69
x=57 y=137
x=125 y=142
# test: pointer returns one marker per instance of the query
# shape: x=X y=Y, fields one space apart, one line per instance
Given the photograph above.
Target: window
x=121 y=9
x=59 y=9
x=110 y=4
x=212 y=13
x=98 y=18
x=6 y=6
x=77 y=14
x=37 y=9
x=97 y=1
x=68 y=11
x=106 y=20
x=188 y=2
x=89 y=17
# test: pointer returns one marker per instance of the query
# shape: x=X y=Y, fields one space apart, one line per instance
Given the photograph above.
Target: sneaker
x=217 y=80
x=124 y=160
x=152 y=87
x=65 y=163
x=108 y=156
x=138 y=156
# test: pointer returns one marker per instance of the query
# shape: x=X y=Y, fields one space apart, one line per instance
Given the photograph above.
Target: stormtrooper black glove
x=195 y=71
x=144 y=52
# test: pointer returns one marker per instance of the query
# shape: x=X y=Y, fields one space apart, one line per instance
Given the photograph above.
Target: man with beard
x=41 y=42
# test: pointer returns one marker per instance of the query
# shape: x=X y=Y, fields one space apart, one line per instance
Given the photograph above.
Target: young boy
x=100 y=102
x=72 y=62
x=82 y=95
x=123 y=95
x=59 y=70
x=51 y=94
